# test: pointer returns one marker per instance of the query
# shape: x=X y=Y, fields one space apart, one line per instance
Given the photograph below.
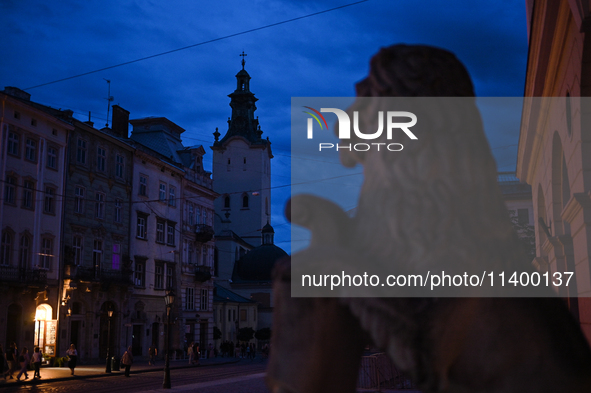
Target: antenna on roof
x=109 y=99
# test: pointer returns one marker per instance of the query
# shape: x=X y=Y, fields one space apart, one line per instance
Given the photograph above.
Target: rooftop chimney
x=120 y=122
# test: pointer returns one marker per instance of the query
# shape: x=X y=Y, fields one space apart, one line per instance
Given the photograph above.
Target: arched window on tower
x=227 y=202
x=245 y=201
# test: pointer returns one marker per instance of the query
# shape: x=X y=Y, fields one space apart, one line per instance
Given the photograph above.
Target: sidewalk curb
x=32 y=381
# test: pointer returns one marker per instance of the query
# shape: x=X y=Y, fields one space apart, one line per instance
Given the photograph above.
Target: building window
x=204 y=302
x=523 y=216
x=198 y=215
x=139 y=275
x=227 y=202
x=159 y=276
x=6 y=249
x=141 y=226
x=120 y=166
x=17 y=115
x=116 y=258
x=34 y=122
x=51 y=157
x=191 y=213
x=190 y=254
x=46 y=253
x=10 y=190
x=189 y=299
x=79 y=200
x=169 y=277
x=101 y=157
x=245 y=201
x=204 y=254
x=99 y=206
x=97 y=256
x=143 y=185
x=28 y=194
x=242 y=315
x=118 y=204
x=77 y=248
x=170 y=234
x=204 y=210
x=160 y=230
x=31 y=150
x=172 y=196
x=13 y=143
x=25 y=252
x=162 y=194
x=81 y=152
x=49 y=205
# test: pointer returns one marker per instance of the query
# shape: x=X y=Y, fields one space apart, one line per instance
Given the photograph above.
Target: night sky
x=322 y=55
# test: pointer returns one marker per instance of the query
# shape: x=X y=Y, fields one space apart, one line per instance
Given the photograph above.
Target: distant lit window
x=101 y=157
x=120 y=166
x=81 y=151
x=31 y=150
x=28 y=194
x=49 y=203
x=77 y=248
x=13 y=143
x=51 y=157
x=46 y=253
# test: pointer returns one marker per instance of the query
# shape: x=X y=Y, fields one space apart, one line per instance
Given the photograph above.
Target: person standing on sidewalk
x=196 y=353
x=11 y=360
x=190 y=352
x=127 y=360
x=72 y=357
x=37 y=358
x=2 y=361
x=24 y=360
x=153 y=352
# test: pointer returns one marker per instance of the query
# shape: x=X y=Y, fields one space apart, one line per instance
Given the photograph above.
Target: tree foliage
x=217 y=333
x=245 y=334
x=263 y=334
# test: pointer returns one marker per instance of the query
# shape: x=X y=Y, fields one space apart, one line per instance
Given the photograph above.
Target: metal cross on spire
x=243 y=62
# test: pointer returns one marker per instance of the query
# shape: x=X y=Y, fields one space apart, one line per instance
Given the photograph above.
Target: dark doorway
x=203 y=338
x=74 y=333
x=136 y=340
x=14 y=325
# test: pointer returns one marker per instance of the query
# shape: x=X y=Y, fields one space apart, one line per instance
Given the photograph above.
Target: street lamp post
x=108 y=366
x=169 y=300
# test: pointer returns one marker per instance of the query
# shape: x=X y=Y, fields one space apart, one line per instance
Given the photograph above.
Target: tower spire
x=243 y=62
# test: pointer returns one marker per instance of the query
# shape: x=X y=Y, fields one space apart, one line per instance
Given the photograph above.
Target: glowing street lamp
x=108 y=366
x=169 y=300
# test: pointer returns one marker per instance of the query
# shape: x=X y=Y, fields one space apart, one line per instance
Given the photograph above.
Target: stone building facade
x=555 y=144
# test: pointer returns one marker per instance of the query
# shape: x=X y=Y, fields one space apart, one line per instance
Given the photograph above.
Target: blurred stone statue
x=437 y=203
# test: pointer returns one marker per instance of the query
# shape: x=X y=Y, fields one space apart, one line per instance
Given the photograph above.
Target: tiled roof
x=223 y=295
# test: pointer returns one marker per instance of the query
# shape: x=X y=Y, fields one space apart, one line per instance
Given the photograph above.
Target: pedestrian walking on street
x=11 y=360
x=196 y=353
x=153 y=352
x=190 y=352
x=2 y=362
x=127 y=360
x=72 y=357
x=36 y=360
x=24 y=360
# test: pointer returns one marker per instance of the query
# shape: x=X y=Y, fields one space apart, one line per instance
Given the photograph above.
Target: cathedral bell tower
x=241 y=166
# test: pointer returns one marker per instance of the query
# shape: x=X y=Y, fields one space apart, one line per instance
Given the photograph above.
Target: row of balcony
x=20 y=275
x=91 y=274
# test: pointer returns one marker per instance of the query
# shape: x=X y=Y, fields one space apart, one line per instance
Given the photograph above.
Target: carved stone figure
x=436 y=203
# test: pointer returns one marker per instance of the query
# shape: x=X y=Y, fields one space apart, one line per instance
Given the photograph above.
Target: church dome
x=258 y=263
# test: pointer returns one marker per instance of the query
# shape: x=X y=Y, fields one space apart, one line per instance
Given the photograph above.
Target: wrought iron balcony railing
x=19 y=275
x=202 y=273
x=204 y=233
